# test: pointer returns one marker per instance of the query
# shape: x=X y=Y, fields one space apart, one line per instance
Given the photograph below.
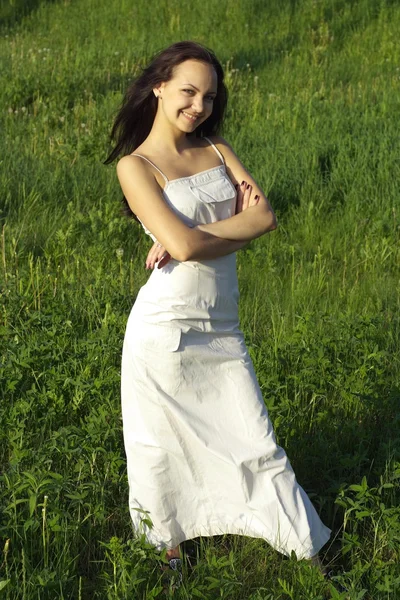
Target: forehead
x=201 y=75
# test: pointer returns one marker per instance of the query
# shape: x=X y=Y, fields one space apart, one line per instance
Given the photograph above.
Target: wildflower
x=119 y=252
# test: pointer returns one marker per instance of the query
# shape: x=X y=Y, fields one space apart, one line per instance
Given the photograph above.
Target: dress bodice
x=201 y=198
x=195 y=294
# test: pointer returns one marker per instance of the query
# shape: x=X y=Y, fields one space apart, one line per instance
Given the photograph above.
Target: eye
x=190 y=91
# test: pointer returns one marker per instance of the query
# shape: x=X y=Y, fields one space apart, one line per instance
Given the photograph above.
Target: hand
x=157 y=253
x=244 y=199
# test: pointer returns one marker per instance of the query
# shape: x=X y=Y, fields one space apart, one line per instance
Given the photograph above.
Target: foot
x=173 y=553
x=172 y=578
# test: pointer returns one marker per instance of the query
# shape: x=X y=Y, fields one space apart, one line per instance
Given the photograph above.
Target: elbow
x=188 y=247
x=182 y=252
x=186 y=253
x=270 y=222
x=181 y=256
x=273 y=225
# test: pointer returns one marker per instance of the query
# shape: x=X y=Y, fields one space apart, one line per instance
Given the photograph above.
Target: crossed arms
x=203 y=241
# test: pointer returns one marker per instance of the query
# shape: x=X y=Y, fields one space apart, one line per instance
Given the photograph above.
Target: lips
x=189 y=117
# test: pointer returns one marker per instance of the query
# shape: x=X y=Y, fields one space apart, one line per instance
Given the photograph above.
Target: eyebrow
x=210 y=92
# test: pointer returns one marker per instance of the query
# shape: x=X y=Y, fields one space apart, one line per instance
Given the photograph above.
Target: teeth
x=190 y=116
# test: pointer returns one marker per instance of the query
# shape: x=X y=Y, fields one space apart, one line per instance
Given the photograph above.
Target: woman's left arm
x=257 y=219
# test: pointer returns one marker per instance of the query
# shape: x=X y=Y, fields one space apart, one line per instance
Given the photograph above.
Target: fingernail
x=248 y=186
x=243 y=182
x=257 y=197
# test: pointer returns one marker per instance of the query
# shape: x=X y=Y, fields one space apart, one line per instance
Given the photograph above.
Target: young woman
x=201 y=452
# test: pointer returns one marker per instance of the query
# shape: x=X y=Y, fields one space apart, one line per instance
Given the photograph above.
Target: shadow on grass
x=12 y=12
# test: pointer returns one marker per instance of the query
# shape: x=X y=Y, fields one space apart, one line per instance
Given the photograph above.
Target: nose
x=197 y=104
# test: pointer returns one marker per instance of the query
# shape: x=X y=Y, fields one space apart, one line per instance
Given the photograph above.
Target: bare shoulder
x=218 y=140
x=130 y=163
x=224 y=147
x=235 y=168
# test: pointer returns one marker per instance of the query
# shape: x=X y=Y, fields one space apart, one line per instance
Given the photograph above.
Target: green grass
x=313 y=113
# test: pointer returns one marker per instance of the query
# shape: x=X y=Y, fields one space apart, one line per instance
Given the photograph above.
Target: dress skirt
x=201 y=452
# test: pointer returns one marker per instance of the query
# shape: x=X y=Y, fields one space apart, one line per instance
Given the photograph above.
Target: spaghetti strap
x=216 y=149
x=149 y=161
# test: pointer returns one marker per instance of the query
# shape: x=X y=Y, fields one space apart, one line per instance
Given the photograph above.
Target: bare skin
x=159 y=256
x=189 y=92
x=173 y=552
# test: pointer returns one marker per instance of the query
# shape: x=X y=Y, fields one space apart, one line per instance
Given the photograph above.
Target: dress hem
x=216 y=529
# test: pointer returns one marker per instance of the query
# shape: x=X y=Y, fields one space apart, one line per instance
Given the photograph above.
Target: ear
x=158 y=91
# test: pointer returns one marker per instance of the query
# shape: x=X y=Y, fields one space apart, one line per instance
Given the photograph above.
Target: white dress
x=202 y=457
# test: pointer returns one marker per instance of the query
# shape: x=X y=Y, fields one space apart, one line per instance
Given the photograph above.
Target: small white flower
x=119 y=252
x=83 y=125
x=10 y=110
x=23 y=109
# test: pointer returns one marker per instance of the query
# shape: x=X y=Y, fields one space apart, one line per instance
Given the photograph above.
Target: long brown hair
x=135 y=117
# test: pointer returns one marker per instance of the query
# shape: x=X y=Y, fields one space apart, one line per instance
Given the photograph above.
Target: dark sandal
x=173 y=580
x=331 y=577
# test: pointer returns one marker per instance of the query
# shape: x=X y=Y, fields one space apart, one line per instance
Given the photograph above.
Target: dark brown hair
x=135 y=117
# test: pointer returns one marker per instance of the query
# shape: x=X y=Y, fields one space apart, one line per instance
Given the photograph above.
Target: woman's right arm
x=145 y=199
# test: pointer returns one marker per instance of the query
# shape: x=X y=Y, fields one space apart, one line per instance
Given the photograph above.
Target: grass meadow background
x=314 y=115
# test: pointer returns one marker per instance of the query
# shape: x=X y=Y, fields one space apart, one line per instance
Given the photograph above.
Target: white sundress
x=202 y=457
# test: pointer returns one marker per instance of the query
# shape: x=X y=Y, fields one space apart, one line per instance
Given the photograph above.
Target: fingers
x=151 y=255
x=239 y=199
x=244 y=196
x=246 y=187
x=163 y=261
x=156 y=253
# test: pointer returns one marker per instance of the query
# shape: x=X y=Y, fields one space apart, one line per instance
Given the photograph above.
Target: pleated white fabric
x=201 y=453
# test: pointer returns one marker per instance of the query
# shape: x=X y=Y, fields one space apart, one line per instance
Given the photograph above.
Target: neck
x=168 y=139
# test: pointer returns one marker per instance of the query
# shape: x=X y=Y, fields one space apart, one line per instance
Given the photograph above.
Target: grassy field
x=313 y=114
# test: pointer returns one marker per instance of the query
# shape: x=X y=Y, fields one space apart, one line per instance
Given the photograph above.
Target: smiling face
x=188 y=97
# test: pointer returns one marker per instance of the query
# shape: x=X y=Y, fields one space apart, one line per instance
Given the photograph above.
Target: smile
x=190 y=117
